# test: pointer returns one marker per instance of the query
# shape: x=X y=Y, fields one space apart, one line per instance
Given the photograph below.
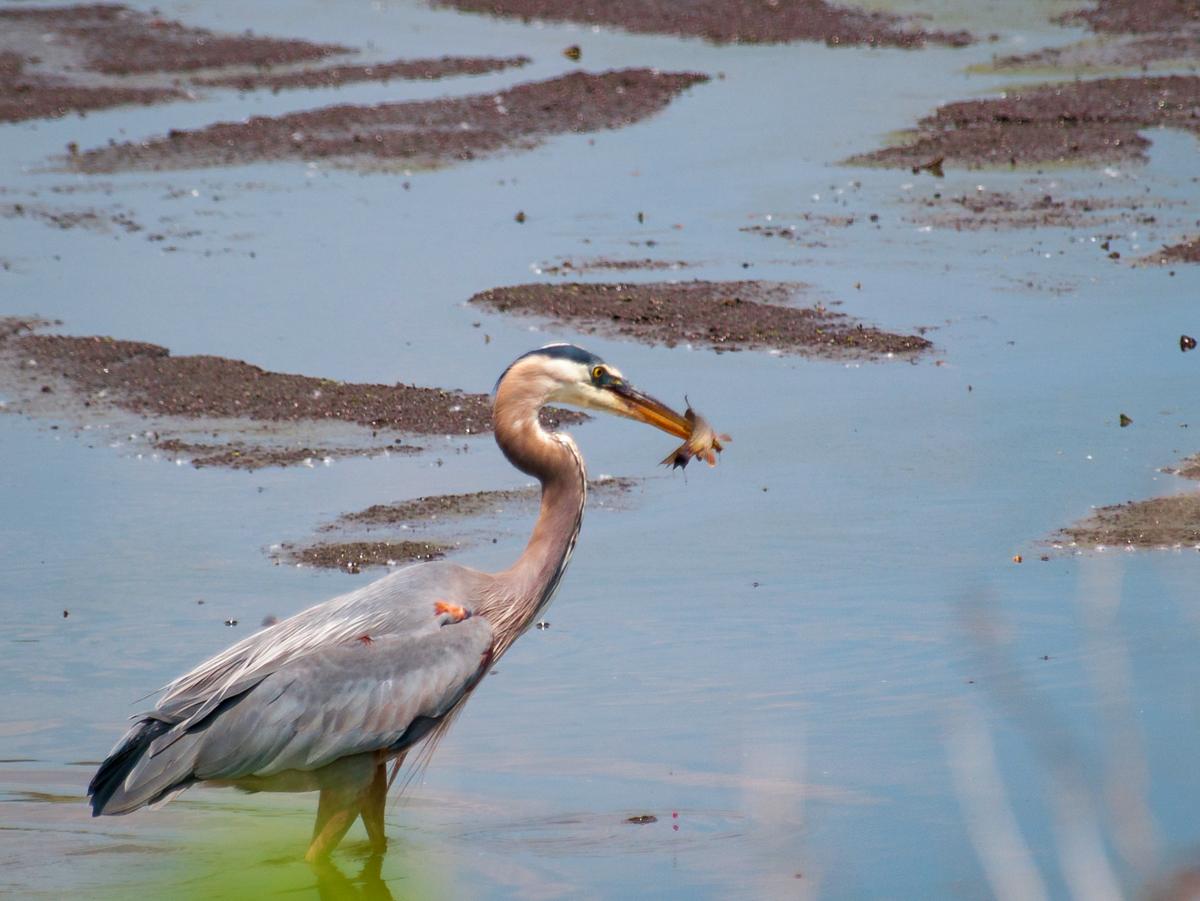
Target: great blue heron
x=325 y=699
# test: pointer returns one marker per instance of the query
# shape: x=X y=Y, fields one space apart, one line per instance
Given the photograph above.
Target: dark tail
x=111 y=789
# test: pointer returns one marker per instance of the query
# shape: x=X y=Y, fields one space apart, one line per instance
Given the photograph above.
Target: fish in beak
x=700 y=439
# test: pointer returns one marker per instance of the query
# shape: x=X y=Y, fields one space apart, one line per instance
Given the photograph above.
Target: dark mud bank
x=59 y=60
x=730 y=21
x=1160 y=522
x=1186 y=251
x=353 y=541
x=1132 y=33
x=720 y=315
x=999 y=210
x=100 y=373
x=1083 y=121
x=354 y=556
x=336 y=76
x=428 y=132
x=434 y=509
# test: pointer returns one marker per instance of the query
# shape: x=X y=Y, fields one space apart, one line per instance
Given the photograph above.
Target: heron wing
x=385 y=694
x=401 y=603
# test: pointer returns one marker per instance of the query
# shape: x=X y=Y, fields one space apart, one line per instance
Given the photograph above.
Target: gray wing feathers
x=349 y=700
x=364 y=697
x=398 y=603
x=311 y=712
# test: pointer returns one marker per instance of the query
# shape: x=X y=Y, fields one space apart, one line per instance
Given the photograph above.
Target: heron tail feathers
x=130 y=777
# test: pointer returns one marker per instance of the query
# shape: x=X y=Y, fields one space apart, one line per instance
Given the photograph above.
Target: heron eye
x=597 y=373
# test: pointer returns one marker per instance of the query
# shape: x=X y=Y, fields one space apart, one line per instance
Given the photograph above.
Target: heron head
x=567 y=374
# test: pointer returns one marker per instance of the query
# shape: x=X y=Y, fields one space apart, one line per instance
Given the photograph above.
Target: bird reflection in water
x=335 y=885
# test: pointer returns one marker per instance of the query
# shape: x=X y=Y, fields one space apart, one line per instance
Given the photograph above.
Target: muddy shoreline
x=147 y=380
x=372 y=537
x=239 y=454
x=1069 y=123
x=1159 y=522
x=1186 y=251
x=731 y=21
x=63 y=59
x=719 y=315
x=420 y=133
x=82 y=377
x=432 y=509
x=336 y=76
x=74 y=59
x=606 y=264
x=978 y=210
x=1129 y=34
x=1104 y=54
x=1135 y=16
x=1077 y=122
x=353 y=556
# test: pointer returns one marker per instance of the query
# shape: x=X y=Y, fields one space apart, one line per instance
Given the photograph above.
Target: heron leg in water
x=345 y=785
x=372 y=809
x=337 y=810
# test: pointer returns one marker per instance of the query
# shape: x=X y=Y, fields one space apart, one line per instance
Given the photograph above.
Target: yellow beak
x=645 y=408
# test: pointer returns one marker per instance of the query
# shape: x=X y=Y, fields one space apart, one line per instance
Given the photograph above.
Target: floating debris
x=933 y=167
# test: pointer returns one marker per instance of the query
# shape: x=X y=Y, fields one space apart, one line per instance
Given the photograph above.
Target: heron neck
x=526 y=587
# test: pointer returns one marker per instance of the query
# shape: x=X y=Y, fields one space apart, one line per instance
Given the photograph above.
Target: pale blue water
x=801 y=726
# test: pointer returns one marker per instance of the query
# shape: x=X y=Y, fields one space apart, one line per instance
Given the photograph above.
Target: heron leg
x=372 y=809
x=337 y=809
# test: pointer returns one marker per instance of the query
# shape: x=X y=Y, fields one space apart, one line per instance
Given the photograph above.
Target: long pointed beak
x=645 y=408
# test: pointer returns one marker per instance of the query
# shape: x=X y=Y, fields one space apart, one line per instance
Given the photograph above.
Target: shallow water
x=805 y=653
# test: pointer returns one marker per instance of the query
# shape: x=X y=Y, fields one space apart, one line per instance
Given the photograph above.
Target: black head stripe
x=570 y=352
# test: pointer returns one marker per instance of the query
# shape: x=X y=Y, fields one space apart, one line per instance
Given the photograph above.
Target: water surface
x=819 y=654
